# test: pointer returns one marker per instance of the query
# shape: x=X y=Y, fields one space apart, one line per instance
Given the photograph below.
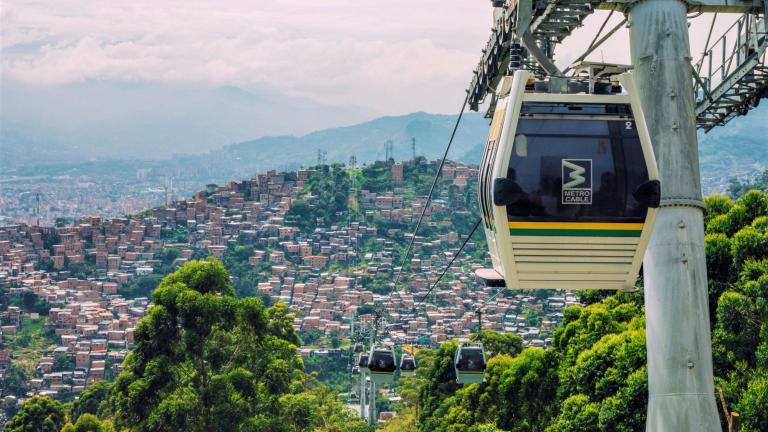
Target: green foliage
x=376 y=177
x=332 y=371
x=140 y=286
x=529 y=390
x=329 y=199
x=753 y=404
x=83 y=270
x=719 y=259
x=207 y=361
x=502 y=343
x=39 y=414
x=93 y=400
x=63 y=363
x=15 y=382
x=731 y=222
x=89 y=423
x=577 y=414
x=29 y=302
x=593 y=378
x=748 y=244
x=245 y=276
x=716 y=205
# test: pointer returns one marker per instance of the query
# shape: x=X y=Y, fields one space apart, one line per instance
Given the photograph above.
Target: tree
x=89 y=423
x=140 y=286
x=39 y=414
x=92 y=400
x=63 y=363
x=501 y=343
x=753 y=404
x=716 y=205
x=15 y=381
x=207 y=361
x=577 y=414
x=593 y=377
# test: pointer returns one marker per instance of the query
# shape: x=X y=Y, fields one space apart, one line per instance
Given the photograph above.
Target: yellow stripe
x=577 y=225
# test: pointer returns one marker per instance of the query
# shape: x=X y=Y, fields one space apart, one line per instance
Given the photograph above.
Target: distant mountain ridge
x=366 y=141
x=737 y=150
x=97 y=120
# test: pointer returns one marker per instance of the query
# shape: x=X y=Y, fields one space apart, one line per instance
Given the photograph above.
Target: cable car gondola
x=469 y=363
x=362 y=362
x=381 y=365
x=407 y=366
x=568 y=188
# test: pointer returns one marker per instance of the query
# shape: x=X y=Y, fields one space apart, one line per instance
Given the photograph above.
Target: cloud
x=393 y=57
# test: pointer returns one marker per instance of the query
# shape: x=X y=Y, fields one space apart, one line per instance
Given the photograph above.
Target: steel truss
x=729 y=79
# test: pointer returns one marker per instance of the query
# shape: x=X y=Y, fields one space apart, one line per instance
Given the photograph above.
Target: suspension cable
x=600 y=31
x=596 y=44
x=431 y=191
x=447 y=267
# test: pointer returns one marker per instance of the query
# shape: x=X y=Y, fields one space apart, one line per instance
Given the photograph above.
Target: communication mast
x=388 y=151
x=321 y=156
x=37 y=210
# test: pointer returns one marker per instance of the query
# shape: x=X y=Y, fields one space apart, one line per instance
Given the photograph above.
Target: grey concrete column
x=362 y=393
x=680 y=381
x=372 y=405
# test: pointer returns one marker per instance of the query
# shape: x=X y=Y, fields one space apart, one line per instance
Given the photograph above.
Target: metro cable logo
x=577 y=181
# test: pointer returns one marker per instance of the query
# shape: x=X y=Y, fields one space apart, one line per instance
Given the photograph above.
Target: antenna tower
x=321 y=156
x=37 y=210
x=389 y=150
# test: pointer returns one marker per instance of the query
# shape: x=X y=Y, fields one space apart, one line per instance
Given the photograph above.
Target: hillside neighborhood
x=329 y=276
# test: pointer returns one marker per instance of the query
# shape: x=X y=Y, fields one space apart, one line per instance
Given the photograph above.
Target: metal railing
x=730 y=77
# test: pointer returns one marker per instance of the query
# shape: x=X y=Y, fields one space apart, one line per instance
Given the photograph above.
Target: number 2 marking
x=628 y=125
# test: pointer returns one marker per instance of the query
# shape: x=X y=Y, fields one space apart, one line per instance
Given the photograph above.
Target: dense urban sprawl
x=330 y=275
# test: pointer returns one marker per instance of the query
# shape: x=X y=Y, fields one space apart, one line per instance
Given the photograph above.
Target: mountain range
x=97 y=120
x=149 y=125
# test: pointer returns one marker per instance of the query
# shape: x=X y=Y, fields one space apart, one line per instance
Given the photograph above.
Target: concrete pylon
x=680 y=380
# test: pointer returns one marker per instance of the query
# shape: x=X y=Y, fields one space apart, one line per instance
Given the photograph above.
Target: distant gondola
x=469 y=363
x=362 y=362
x=407 y=366
x=568 y=188
x=381 y=365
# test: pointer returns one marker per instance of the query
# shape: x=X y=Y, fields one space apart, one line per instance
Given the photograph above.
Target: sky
x=390 y=57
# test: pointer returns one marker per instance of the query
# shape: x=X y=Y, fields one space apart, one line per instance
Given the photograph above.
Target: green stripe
x=574 y=232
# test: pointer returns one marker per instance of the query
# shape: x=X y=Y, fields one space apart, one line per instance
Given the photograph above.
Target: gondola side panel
x=628 y=82
x=485 y=184
x=500 y=168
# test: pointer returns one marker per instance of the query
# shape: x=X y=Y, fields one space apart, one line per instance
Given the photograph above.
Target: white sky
x=392 y=56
